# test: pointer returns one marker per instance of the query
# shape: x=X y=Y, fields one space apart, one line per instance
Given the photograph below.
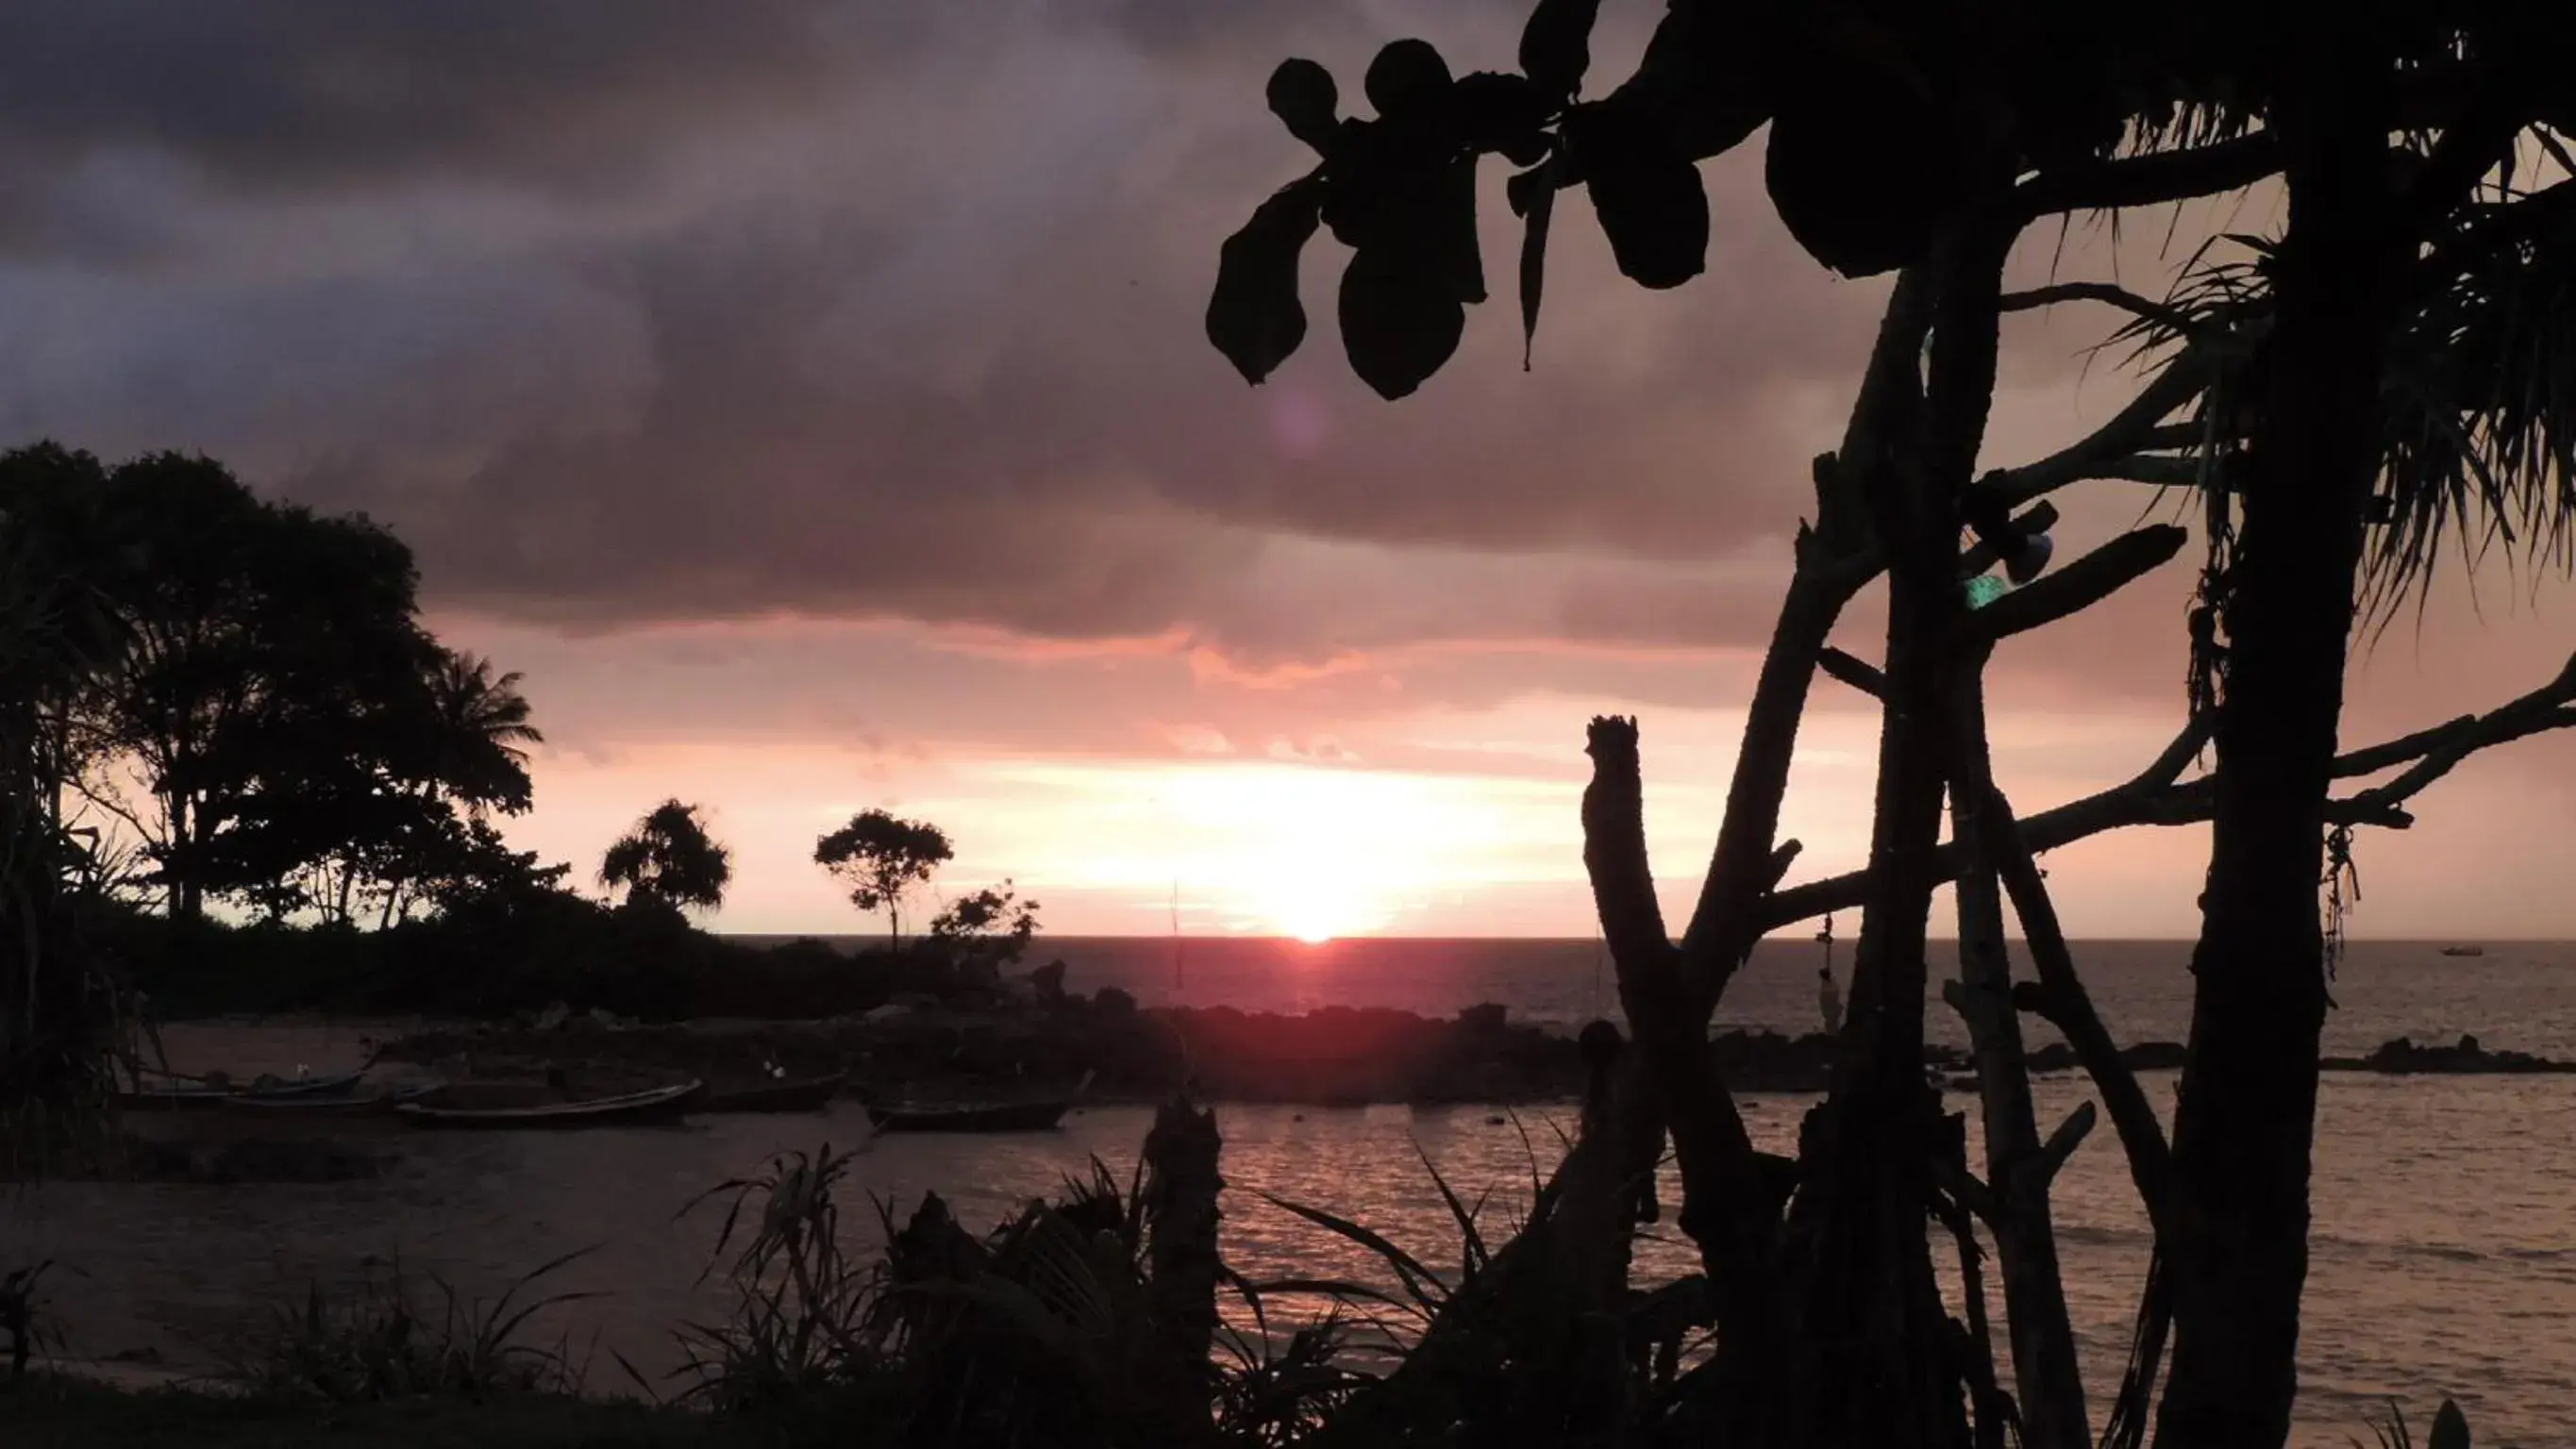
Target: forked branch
x=2157 y=795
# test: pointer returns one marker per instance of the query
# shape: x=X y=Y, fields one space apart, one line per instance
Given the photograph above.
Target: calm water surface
x=2445 y=1260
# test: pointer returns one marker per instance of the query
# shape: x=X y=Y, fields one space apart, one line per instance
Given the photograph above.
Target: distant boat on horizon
x=2464 y=950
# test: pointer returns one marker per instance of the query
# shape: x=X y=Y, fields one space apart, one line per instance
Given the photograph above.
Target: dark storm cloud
x=897 y=314
x=314 y=93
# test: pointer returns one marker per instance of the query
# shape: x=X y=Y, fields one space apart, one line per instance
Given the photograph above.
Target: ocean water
x=2444 y=1246
x=2518 y=994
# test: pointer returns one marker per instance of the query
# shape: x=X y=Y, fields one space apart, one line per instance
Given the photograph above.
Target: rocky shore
x=1338 y=1056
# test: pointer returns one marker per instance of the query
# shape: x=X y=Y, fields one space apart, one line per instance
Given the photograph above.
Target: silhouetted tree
x=990 y=925
x=63 y=1013
x=303 y=741
x=669 y=858
x=880 y=858
x=1924 y=139
x=482 y=729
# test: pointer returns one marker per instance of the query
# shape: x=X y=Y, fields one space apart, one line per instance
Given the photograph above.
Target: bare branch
x=2061 y=1144
x=2064 y=1004
x=1860 y=675
x=1967 y=1191
x=2153 y=797
x=1614 y=846
x=2166 y=768
x=2136 y=428
x=1722 y=1209
x=2541 y=711
x=2081 y=584
x=2109 y=294
x=2161 y=470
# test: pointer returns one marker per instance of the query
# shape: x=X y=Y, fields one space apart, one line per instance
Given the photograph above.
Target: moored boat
x=1038 y=1114
x=785 y=1094
x=968 y=1117
x=2464 y=950
x=307 y=1105
x=492 y=1107
x=197 y=1093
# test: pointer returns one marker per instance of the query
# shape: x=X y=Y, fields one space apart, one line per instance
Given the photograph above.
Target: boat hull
x=810 y=1094
x=308 y=1108
x=1004 y=1117
x=208 y=1099
x=662 y=1104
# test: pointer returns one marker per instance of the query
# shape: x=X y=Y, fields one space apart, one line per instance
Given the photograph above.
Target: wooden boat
x=1035 y=1115
x=196 y=1094
x=786 y=1094
x=307 y=1106
x=501 y=1107
x=997 y=1117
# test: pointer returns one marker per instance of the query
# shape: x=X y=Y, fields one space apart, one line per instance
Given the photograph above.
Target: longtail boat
x=492 y=1107
x=785 y=1094
x=1033 y=1115
x=196 y=1093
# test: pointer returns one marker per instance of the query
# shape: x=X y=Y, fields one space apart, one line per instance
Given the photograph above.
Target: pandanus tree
x=1924 y=141
x=670 y=859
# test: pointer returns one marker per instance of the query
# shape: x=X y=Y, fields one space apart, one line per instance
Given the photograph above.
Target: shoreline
x=1333 y=1057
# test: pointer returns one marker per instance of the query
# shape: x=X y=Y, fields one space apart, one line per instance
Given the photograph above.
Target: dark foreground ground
x=62 y=1413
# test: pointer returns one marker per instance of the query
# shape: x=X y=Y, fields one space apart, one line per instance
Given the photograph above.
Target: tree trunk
x=1181 y=1186
x=2045 y=1372
x=2244 y=1126
x=187 y=899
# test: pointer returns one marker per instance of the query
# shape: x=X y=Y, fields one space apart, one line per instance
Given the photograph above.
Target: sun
x=1299 y=900
x=1308 y=853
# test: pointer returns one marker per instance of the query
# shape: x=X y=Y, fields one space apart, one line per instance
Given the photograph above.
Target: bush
x=500 y=959
x=384 y=1341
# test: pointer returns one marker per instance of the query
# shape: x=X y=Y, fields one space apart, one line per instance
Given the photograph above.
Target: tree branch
x=1721 y=1206
x=1980 y=556
x=1614 y=846
x=2110 y=294
x=1859 y=675
x=2061 y=1144
x=2063 y=1002
x=2153 y=179
x=2080 y=585
x=2153 y=797
x=2544 y=709
x=2137 y=427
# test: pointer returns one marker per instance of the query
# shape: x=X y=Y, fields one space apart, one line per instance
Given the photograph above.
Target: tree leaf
x=1378 y=184
x=1505 y=113
x=1253 y=316
x=1861 y=168
x=2450 y=1428
x=1534 y=218
x=1556 y=45
x=1302 y=95
x=1407 y=78
x=1703 y=77
x=1461 y=260
x=1400 y=319
x=1647 y=195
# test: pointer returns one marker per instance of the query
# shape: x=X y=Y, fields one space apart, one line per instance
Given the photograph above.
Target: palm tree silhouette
x=482 y=727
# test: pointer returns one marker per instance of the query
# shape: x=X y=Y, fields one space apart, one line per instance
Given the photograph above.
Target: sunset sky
x=811 y=399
